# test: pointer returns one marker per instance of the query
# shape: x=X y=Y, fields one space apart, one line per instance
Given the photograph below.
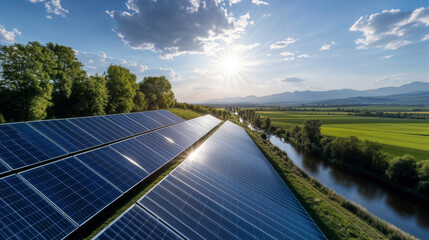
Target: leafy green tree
x=402 y=170
x=374 y=156
x=67 y=69
x=140 y=102
x=89 y=96
x=267 y=123
x=312 y=130
x=158 y=92
x=25 y=89
x=121 y=85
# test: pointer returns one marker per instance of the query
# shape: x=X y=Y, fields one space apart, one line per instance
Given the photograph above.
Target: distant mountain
x=416 y=98
x=316 y=96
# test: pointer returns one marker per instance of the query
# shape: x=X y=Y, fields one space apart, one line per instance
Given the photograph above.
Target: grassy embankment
x=337 y=217
x=185 y=114
x=397 y=135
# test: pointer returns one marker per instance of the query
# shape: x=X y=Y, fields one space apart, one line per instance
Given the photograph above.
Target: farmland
x=397 y=135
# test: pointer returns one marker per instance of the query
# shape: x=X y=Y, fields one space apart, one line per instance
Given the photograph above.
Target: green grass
x=184 y=113
x=397 y=135
x=335 y=216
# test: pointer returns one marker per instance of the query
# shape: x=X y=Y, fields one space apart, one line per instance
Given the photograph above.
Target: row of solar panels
x=53 y=200
x=225 y=190
x=24 y=144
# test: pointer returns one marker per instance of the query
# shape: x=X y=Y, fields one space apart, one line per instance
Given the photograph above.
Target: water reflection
x=375 y=197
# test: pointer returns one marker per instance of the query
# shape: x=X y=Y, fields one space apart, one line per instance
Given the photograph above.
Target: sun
x=230 y=65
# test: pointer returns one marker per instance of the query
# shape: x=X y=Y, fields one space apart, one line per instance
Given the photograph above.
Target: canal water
x=381 y=201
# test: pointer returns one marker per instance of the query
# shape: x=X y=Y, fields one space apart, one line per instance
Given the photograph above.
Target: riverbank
x=337 y=217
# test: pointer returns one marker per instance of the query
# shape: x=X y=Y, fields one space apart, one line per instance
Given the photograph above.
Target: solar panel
x=123 y=172
x=21 y=145
x=155 y=115
x=164 y=146
x=73 y=187
x=176 y=136
x=144 y=120
x=136 y=223
x=128 y=124
x=171 y=116
x=3 y=168
x=24 y=214
x=218 y=193
x=140 y=154
x=101 y=128
x=66 y=134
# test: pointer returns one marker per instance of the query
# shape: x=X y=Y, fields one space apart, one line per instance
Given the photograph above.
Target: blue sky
x=224 y=48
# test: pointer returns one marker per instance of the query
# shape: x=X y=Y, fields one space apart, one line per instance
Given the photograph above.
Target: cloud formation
x=259 y=2
x=52 y=6
x=392 y=29
x=8 y=36
x=292 y=80
x=283 y=44
x=175 y=27
x=326 y=47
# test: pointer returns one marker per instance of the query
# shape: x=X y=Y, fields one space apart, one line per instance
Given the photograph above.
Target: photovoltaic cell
x=220 y=192
x=3 y=168
x=140 y=154
x=155 y=115
x=176 y=136
x=171 y=116
x=164 y=146
x=136 y=224
x=66 y=134
x=73 y=187
x=126 y=123
x=123 y=172
x=144 y=120
x=101 y=128
x=21 y=145
x=24 y=214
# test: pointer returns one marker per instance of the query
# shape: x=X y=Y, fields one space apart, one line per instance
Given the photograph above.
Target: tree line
x=48 y=81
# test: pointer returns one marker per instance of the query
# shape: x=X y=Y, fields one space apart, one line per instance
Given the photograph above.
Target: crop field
x=397 y=135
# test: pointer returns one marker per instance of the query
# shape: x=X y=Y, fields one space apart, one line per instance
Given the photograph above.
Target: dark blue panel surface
x=66 y=134
x=176 y=137
x=123 y=172
x=101 y=128
x=127 y=123
x=161 y=144
x=21 y=145
x=220 y=192
x=171 y=116
x=3 y=168
x=137 y=152
x=144 y=120
x=136 y=224
x=73 y=187
x=25 y=214
x=155 y=115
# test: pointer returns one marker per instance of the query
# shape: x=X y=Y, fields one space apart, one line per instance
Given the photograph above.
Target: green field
x=397 y=135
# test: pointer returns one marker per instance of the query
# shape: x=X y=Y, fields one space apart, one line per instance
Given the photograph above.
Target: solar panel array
x=218 y=193
x=52 y=200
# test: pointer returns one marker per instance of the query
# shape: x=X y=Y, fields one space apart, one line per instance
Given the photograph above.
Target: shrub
x=403 y=170
x=264 y=136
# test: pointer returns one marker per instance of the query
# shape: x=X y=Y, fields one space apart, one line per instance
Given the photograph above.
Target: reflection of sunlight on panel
x=133 y=162
x=197 y=155
x=169 y=139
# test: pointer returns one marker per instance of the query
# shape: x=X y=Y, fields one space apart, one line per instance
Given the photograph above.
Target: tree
x=140 y=102
x=25 y=89
x=89 y=96
x=267 y=123
x=158 y=92
x=66 y=70
x=312 y=130
x=121 y=86
x=374 y=157
x=402 y=170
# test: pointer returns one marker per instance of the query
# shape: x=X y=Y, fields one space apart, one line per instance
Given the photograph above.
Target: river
x=381 y=201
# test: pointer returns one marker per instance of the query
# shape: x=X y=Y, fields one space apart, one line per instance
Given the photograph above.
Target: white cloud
x=233 y=2
x=327 y=46
x=259 y=2
x=387 y=57
x=287 y=54
x=305 y=56
x=173 y=27
x=392 y=29
x=8 y=36
x=283 y=44
x=288 y=59
x=52 y=6
x=426 y=37
x=292 y=80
